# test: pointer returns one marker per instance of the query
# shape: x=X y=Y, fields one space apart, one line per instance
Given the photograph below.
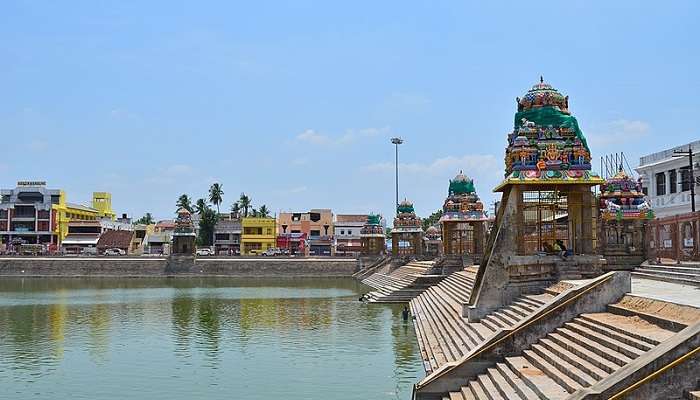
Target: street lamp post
x=396 y=141
x=691 y=177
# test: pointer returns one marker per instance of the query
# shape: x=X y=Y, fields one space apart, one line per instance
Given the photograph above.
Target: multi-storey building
x=32 y=214
x=666 y=180
x=347 y=233
x=227 y=236
x=317 y=224
x=258 y=235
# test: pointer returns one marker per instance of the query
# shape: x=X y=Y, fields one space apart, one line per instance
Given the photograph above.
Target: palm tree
x=201 y=206
x=254 y=213
x=245 y=203
x=145 y=220
x=184 y=202
x=264 y=212
x=236 y=209
x=216 y=194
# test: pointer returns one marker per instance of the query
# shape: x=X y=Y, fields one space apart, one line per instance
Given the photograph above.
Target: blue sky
x=294 y=102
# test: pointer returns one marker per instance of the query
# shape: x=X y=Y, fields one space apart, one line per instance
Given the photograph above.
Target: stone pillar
x=395 y=238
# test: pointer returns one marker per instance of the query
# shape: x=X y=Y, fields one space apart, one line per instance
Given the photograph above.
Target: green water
x=201 y=338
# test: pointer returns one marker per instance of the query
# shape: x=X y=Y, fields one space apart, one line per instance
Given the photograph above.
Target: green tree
x=184 y=202
x=245 y=203
x=433 y=219
x=254 y=213
x=145 y=220
x=201 y=205
x=264 y=212
x=207 y=222
x=236 y=209
x=216 y=195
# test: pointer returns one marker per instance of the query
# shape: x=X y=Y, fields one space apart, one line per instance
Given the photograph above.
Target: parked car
x=271 y=252
x=204 y=252
x=115 y=252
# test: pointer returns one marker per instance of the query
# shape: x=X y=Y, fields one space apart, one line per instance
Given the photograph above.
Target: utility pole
x=689 y=154
x=396 y=141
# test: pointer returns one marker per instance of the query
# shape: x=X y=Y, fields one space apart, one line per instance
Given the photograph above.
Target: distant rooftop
x=666 y=154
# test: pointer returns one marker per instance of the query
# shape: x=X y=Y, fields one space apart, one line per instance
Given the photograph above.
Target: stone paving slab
x=666 y=291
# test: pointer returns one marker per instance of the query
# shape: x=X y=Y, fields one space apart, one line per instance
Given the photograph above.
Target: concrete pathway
x=666 y=291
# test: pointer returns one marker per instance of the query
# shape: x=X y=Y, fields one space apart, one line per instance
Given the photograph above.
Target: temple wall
x=146 y=266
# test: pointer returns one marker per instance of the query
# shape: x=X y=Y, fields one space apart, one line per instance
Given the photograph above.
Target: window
x=673 y=180
x=349 y=231
x=685 y=179
x=315 y=232
x=342 y=232
x=661 y=184
x=221 y=236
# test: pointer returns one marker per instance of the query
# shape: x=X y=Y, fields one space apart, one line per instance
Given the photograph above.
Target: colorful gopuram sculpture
x=184 y=235
x=624 y=214
x=373 y=237
x=463 y=222
x=407 y=233
x=545 y=222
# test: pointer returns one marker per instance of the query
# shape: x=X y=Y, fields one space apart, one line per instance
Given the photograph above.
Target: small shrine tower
x=624 y=218
x=463 y=222
x=183 y=235
x=373 y=237
x=407 y=234
x=432 y=242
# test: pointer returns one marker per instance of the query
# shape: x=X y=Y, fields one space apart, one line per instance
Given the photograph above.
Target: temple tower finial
x=541 y=79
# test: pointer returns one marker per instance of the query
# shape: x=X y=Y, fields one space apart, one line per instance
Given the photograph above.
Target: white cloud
x=171 y=174
x=617 y=132
x=350 y=136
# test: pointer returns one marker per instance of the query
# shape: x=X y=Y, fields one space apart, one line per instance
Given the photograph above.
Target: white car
x=115 y=252
x=204 y=252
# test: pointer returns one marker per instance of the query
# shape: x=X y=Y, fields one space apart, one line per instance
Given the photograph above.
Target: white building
x=666 y=180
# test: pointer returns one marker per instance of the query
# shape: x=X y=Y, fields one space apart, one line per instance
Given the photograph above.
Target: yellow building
x=68 y=212
x=259 y=234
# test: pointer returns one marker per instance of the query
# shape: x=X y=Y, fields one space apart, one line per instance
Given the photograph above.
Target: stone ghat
x=402 y=284
x=445 y=335
x=578 y=355
x=159 y=266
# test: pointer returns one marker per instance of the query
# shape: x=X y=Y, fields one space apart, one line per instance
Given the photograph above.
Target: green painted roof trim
x=548 y=115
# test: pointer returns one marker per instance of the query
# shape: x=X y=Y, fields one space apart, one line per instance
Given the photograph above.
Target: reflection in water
x=202 y=338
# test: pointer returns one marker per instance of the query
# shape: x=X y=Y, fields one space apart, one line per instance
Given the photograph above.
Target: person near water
x=404 y=313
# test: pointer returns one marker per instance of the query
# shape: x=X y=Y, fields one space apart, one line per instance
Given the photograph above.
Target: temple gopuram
x=407 y=233
x=372 y=236
x=183 y=235
x=624 y=218
x=546 y=222
x=463 y=223
x=432 y=240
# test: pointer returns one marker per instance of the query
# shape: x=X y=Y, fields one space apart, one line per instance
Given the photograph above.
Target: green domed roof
x=461 y=185
x=374 y=219
x=405 y=207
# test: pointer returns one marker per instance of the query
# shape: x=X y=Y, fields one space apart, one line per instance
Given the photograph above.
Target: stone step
x=467 y=393
x=665 y=278
x=562 y=364
x=500 y=384
x=634 y=327
x=515 y=382
x=539 y=382
x=611 y=343
x=623 y=337
x=440 y=348
x=477 y=390
x=591 y=345
x=565 y=381
x=590 y=356
x=669 y=272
